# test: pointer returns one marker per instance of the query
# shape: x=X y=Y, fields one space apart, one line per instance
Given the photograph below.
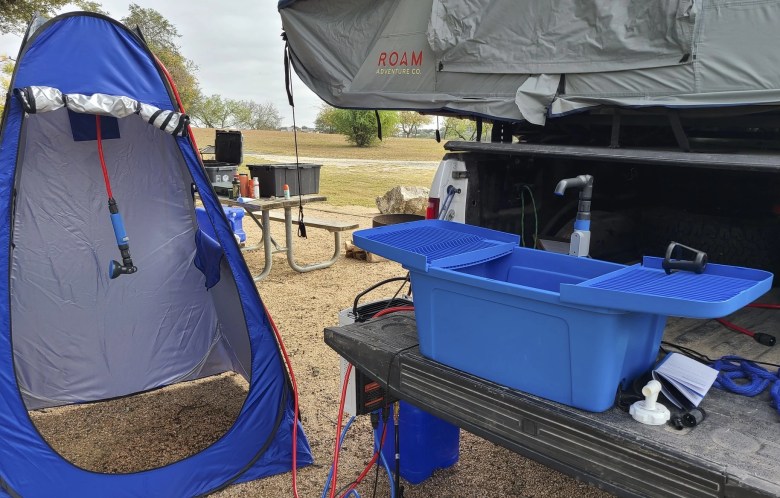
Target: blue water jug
x=427 y=443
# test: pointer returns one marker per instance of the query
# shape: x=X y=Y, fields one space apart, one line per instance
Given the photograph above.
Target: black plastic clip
x=689 y=418
x=675 y=253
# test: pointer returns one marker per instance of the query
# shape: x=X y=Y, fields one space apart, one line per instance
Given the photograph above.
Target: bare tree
x=411 y=121
x=217 y=112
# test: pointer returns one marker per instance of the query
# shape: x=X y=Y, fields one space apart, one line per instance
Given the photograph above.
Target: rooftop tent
x=71 y=334
x=516 y=60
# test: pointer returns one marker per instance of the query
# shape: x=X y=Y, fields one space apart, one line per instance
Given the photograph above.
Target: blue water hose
x=115 y=268
x=330 y=472
x=753 y=379
x=126 y=267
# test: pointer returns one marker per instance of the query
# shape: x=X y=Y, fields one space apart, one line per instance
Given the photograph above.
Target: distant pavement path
x=346 y=162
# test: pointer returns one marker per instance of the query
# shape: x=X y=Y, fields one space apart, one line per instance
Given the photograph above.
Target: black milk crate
x=273 y=177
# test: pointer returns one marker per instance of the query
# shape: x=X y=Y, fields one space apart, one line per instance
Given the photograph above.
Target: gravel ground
x=159 y=427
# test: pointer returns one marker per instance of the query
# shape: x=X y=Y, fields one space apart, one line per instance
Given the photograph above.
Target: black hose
x=376 y=285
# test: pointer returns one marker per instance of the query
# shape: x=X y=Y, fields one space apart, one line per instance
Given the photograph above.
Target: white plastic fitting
x=648 y=411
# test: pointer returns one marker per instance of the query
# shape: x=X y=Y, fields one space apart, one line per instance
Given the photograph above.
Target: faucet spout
x=581 y=181
x=580 y=237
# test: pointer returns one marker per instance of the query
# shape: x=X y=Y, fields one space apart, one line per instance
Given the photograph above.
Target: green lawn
x=333 y=146
x=361 y=185
x=357 y=185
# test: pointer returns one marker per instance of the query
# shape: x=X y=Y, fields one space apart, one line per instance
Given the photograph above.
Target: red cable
x=295 y=398
x=373 y=460
x=178 y=101
x=270 y=319
x=337 y=449
x=102 y=159
x=734 y=327
x=764 y=305
x=369 y=465
x=394 y=309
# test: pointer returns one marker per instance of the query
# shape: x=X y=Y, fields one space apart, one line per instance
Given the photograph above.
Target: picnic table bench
x=332 y=226
x=270 y=247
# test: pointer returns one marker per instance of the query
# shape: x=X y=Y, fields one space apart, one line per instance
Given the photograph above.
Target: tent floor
x=146 y=430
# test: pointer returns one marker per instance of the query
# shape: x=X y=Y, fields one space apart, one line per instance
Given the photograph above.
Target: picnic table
x=265 y=205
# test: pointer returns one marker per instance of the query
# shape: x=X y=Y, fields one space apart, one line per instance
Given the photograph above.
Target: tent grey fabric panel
x=232 y=326
x=77 y=335
x=331 y=39
x=554 y=36
x=535 y=95
x=738 y=49
x=734 y=65
x=394 y=69
x=615 y=53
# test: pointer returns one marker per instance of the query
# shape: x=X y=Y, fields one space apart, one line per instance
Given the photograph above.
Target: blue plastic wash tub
x=568 y=329
x=427 y=443
x=234 y=215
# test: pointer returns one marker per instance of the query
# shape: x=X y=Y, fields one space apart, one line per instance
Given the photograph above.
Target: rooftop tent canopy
x=70 y=334
x=472 y=57
x=525 y=60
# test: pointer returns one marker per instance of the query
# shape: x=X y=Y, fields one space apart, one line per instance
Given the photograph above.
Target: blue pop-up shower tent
x=71 y=334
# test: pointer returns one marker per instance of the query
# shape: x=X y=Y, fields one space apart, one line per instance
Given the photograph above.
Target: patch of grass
x=361 y=185
x=333 y=146
x=345 y=185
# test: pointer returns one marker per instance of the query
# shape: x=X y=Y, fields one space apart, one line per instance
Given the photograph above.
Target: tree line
x=360 y=127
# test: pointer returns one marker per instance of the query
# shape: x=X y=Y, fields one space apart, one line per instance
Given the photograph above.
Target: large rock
x=406 y=200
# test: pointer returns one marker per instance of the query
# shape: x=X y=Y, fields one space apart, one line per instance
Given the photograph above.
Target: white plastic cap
x=648 y=411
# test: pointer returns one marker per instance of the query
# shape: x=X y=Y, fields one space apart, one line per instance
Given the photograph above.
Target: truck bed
x=735 y=451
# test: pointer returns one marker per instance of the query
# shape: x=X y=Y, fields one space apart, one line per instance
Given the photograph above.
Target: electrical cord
x=385 y=412
x=351 y=487
x=376 y=286
x=392 y=299
x=398 y=491
x=337 y=448
x=295 y=403
x=278 y=335
x=341 y=442
x=383 y=461
x=760 y=337
x=692 y=353
x=522 y=216
x=334 y=478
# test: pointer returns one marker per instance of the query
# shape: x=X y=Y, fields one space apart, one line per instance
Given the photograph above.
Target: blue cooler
x=234 y=215
x=568 y=329
x=427 y=443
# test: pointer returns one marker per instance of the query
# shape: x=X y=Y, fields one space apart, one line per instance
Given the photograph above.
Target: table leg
x=262 y=227
x=266 y=246
x=289 y=239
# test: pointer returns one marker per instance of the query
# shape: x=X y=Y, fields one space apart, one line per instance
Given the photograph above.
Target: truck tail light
x=432 y=211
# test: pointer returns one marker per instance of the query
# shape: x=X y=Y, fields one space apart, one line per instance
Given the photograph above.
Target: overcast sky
x=236 y=45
